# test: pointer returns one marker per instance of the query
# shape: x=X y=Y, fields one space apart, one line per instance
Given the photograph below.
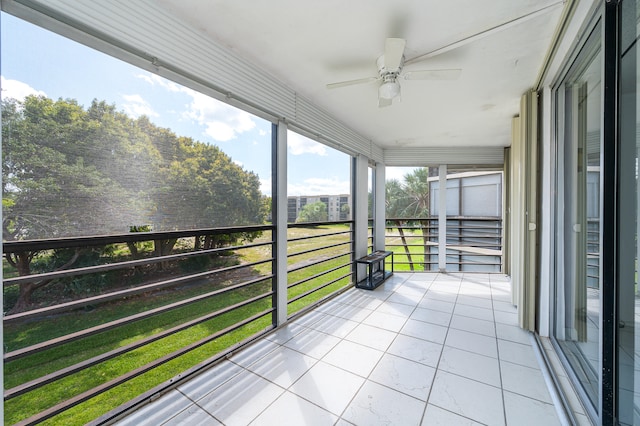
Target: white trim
x=281 y=222
x=442 y=218
x=361 y=209
x=433 y=156
x=547 y=222
x=147 y=36
x=379 y=206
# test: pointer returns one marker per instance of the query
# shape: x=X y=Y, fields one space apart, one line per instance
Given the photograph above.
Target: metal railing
x=320 y=262
x=85 y=316
x=474 y=244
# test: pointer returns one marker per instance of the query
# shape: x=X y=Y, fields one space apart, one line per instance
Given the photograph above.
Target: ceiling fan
x=391 y=63
x=390 y=66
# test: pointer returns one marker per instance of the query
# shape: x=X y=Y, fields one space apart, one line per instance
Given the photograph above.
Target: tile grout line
x=504 y=405
x=341 y=417
x=435 y=374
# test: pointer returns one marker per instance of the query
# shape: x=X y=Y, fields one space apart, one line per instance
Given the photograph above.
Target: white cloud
x=263 y=132
x=238 y=163
x=397 y=173
x=265 y=186
x=319 y=186
x=222 y=122
x=299 y=145
x=136 y=106
x=17 y=90
x=156 y=80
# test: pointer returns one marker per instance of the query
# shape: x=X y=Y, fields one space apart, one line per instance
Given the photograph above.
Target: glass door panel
x=628 y=354
x=578 y=219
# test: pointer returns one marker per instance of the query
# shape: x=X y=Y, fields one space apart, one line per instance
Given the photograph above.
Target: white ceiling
x=308 y=44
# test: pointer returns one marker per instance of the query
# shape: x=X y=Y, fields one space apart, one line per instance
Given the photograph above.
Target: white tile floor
x=422 y=349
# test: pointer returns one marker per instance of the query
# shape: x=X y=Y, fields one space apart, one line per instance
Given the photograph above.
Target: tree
x=314 y=212
x=345 y=210
x=410 y=198
x=69 y=172
x=60 y=173
x=203 y=188
x=266 y=208
x=395 y=200
x=416 y=188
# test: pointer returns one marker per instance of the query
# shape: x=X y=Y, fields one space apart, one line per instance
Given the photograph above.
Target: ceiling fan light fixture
x=389 y=89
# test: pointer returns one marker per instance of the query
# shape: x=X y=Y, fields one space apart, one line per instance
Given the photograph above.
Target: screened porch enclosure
x=184 y=206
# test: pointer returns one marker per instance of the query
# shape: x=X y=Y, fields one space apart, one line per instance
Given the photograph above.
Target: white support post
x=361 y=208
x=442 y=217
x=280 y=221
x=379 y=215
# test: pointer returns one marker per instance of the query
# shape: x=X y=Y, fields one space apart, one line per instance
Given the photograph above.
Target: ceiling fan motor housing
x=389 y=86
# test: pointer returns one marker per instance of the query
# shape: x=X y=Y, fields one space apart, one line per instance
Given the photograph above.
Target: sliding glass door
x=578 y=243
x=628 y=354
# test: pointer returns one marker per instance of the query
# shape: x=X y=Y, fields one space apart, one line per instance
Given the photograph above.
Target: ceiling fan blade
x=351 y=82
x=484 y=33
x=382 y=102
x=451 y=74
x=393 y=51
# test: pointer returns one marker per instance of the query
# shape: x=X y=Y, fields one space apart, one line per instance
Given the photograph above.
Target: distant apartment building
x=335 y=206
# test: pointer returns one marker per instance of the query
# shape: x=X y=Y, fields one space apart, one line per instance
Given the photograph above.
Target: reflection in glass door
x=577 y=314
x=628 y=355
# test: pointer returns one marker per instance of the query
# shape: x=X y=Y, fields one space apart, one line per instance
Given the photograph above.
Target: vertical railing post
x=379 y=214
x=361 y=210
x=279 y=216
x=442 y=218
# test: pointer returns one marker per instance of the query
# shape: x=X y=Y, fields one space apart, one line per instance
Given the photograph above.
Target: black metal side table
x=376 y=272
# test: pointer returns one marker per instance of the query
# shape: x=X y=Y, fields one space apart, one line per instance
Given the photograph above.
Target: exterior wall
x=470 y=194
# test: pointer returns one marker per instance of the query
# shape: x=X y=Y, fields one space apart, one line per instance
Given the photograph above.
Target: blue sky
x=36 y=61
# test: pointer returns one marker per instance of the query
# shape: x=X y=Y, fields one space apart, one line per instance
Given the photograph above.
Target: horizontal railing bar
x=450 y=247
x=309 y=237
x=50 y=412
x=180 y=378
x=317 y=249
x=59 y=374
x=411 y=228
x=314 y=224
x=463 y=252
x=98 y=240
x=433 y=242
x=320 y=261
x=319 y=302
x=497 y=226
x=307 y=293
x=39 y=347
x=482 y=225
x=435 y=218
x=121 y=265
x=313 y=277
x=127 y=292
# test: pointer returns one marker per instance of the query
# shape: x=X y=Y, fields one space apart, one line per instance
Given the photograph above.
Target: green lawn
x=31 y=332
x=416 y=251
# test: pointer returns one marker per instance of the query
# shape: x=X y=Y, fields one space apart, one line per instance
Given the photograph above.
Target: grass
x=37 y=365
x=416 y=251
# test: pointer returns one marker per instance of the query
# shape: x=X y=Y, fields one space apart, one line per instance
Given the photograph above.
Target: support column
x=361 y=208
x=442 y=217
x=379 y=214
x=279 y=217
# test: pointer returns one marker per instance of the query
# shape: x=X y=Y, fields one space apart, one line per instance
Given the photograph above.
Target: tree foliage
x=409 y=198
x=70 y=171
x=314 y=212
